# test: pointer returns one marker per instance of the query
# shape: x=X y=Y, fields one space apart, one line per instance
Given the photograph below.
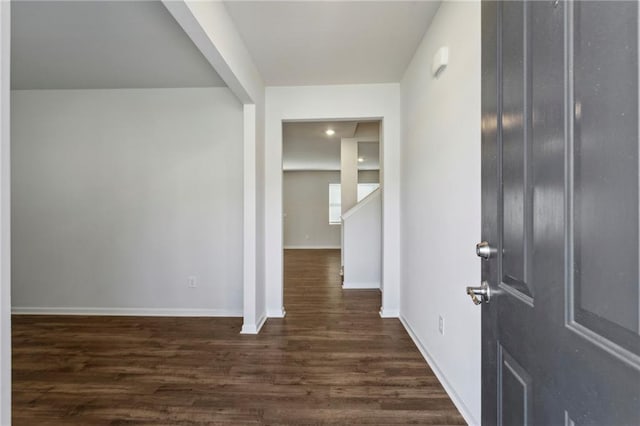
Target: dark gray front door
x=561 y=331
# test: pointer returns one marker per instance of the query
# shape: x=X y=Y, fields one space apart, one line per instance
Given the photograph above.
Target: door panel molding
x=516 y=198
x=509 y=368
x=568 y=421
x=596 y=330
x=512 y=291
x=605 y=344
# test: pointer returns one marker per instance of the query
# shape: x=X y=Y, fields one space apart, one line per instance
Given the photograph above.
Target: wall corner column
x=348 y=173
x=251 y=323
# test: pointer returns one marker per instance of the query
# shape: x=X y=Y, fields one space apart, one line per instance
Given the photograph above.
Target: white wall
x=306 y=207
x=120 y=195
x=364 y=101
x=362 y=243
x=368 y=176
x=5 y=231
x=306 y=210
x=441 y=202
x=214 y=33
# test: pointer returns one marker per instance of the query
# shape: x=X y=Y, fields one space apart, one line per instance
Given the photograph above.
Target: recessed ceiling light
x=360 y=160
x=330 y=132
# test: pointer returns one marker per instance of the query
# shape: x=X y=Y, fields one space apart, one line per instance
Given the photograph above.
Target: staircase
x=361 y=243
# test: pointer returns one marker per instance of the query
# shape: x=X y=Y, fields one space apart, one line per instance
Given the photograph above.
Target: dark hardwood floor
x=332 y=360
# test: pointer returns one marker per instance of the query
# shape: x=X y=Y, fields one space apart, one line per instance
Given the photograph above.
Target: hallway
x=332 y=360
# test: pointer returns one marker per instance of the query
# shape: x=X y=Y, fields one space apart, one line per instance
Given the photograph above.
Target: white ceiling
x=102 y=44
x=306 y=146
x=332 y=42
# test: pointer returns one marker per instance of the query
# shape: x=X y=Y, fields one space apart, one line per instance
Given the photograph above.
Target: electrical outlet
x=192 y=282
x=441 y=324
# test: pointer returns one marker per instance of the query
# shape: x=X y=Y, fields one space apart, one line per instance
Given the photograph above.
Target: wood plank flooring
x=332 y=360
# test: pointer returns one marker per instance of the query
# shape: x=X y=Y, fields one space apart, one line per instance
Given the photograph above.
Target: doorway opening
x=332 y=214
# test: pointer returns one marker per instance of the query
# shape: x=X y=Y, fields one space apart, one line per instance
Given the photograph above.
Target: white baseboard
x=457 y=401
x=277 y=313
x=139 y=312
x=253 y=328
x=389 y=313
x=360 y=286
x=312 y=247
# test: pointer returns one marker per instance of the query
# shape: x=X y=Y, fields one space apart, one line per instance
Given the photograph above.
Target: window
x=335 y=207
x=334 y=203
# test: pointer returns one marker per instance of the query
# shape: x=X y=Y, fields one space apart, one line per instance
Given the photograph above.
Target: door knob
x=480 y=294
x=484 y=250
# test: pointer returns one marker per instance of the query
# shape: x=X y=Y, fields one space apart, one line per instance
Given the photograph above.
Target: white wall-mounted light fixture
x=440 y=61
x=360 y=160
x=330 y=132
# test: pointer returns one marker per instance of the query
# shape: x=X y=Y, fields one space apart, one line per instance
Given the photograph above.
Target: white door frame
x=328 y=103
x=5 y=212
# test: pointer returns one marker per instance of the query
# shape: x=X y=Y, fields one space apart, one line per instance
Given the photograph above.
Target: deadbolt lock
x=484 y=250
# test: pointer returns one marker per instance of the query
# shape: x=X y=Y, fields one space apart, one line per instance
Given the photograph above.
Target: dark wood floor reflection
x=332 y=360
